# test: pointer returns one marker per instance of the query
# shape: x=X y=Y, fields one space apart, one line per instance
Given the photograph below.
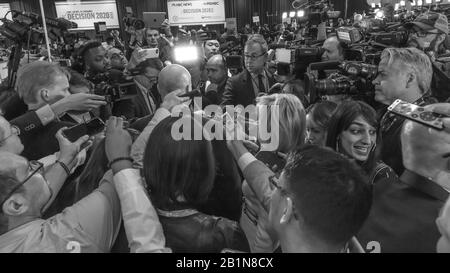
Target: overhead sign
x=4 y=8
x=255 y=19
x=231 y=24
x=196 y=12
x=85 y=14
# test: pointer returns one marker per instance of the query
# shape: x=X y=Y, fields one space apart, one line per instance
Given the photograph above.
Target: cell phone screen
x=417 y=113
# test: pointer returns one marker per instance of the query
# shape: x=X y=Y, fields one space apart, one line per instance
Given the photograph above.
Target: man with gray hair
x=243 y=88
x=403 y=214
x=403 y=73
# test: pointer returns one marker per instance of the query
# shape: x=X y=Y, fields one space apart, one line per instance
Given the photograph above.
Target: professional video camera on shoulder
x=366 y=42
x=114 y=85
x=353 y=79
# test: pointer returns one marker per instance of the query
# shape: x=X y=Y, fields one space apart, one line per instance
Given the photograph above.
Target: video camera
x=299 y=57
x=366 y=45
x=114 y=86
x=353 y=79
x=26 y=28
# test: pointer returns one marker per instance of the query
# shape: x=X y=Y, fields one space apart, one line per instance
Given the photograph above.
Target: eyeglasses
x=14 y=132
x=35 y=166
x=253 y=57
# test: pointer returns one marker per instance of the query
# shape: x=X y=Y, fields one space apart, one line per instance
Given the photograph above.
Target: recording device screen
x=417 y=113
x=90 y=128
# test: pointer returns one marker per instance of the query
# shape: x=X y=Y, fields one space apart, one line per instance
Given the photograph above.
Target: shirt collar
x=425 y=185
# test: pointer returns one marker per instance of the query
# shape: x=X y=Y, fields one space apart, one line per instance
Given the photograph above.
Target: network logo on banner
x=85 y=14
x=196 y=12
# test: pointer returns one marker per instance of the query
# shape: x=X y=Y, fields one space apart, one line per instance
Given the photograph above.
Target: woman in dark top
x=352 y=131
x=180 y=173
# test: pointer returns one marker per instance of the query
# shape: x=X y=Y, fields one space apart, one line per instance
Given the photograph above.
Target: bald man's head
x=216 y=69
x=174 y=77
x=425 y=151
x=333 y=50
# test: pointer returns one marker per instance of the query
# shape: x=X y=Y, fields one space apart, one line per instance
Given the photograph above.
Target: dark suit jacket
x=403 y=215
x=27 y=123
x=239 y=90
x=42 y=142
x=136 y=107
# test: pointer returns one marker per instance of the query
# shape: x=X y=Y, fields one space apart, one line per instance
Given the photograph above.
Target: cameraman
x=333 y=50
x=94 y=59
x=97 y=67
x=403 y=73
x=428 y=33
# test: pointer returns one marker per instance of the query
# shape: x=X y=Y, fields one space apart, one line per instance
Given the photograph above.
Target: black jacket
x=136 y=106
x=42 y=142
x=403 y=215
x=239 y=90
x=201 y=233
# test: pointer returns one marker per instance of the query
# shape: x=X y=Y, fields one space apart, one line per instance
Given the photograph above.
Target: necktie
x=262 y=88
x=151 y=102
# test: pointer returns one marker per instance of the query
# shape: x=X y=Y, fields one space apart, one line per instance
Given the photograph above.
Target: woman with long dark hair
x=179 y=173
x=352 y=131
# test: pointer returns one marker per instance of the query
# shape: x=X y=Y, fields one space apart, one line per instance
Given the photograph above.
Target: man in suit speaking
x=243 y=88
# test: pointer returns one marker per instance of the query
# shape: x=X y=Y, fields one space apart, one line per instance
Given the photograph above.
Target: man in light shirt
x=92 y=224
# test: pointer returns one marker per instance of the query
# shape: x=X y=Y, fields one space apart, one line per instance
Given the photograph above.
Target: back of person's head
x=290 y=117
x=155 y=63
x=330 y=197
x=179 y=173
x=411 y=59
x=173 y=77
x=37 y=76
x=321 y=112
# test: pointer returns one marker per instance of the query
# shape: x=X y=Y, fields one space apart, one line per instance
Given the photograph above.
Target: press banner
x=85 y=14
x=196 y=12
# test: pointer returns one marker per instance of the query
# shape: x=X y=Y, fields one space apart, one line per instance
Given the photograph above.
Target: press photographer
x=428 y=33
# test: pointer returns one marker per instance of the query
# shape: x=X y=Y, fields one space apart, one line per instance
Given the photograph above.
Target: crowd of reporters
x=346 y=175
